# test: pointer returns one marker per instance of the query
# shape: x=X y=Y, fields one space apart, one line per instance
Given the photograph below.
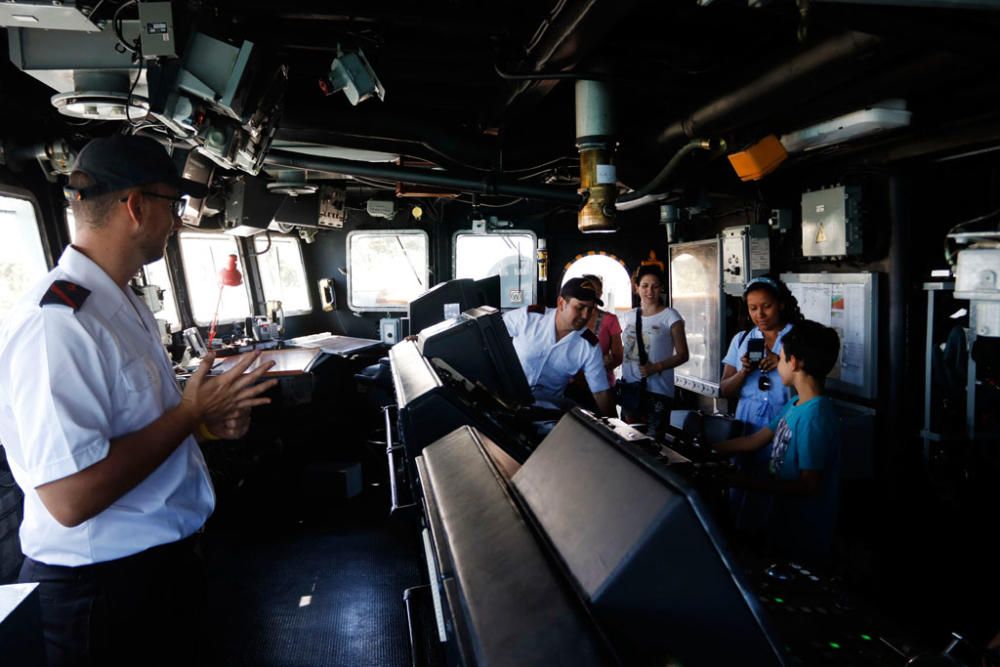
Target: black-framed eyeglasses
x=179 y=203
x=764 y=382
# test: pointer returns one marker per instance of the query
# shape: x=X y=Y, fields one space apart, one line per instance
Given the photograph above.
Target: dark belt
x=149 y=558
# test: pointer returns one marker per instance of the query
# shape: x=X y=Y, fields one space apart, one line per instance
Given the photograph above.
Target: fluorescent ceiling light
x=887 y=115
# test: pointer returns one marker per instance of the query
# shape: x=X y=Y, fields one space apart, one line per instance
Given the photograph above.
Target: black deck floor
x=309 y=592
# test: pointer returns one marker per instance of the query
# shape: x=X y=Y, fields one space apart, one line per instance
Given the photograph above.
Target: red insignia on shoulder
x=590 y=337
x=65 y=293
x=537 y=309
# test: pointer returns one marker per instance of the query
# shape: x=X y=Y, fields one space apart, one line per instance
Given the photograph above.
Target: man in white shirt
x=98 y=433
x=554 y=344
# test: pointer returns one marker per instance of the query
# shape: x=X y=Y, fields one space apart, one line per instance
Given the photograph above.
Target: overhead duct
x=596 y=143
x=484 y=185
x=566 y=36
x=755 y=100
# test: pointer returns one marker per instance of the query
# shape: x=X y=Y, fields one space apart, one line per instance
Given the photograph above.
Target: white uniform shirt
x=69 y=383
x=550 y=365
x=659 y=342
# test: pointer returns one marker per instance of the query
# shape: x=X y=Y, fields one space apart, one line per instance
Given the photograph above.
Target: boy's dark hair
x=814 y=345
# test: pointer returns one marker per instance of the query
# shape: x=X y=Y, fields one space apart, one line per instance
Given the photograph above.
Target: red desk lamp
x=229 y=276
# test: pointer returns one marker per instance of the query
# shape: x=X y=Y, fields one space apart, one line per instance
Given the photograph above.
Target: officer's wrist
x=203 y=433
x=188 y=415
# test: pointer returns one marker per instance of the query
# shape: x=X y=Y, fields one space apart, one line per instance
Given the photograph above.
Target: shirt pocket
x=138 y=375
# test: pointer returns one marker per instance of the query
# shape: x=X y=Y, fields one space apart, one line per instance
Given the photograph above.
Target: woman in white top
x=665 y=347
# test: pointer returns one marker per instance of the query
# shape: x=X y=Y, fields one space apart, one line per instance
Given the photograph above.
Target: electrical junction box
x=156 y=29
x=746 y=254
x=831 y=222
x=381 y=208
x=977 y=278
x=389 y=330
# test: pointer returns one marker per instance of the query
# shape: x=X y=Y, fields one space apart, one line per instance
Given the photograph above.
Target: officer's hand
x=210 y=399
x=231 y=427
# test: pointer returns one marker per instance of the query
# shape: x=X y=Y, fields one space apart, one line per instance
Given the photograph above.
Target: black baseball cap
x=120 y=162
x=581 y=288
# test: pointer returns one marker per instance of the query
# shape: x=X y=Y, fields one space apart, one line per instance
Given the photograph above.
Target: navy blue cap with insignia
x=120 y=162
x=65 y=293
x=581 y=288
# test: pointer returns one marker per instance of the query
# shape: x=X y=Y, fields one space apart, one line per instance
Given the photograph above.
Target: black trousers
x=144 y=609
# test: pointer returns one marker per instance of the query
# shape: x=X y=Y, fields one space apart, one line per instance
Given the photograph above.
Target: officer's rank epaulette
x=65 y=293
x=590 y=337
x=537 y=309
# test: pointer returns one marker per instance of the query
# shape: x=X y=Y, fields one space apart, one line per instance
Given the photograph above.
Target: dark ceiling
x=677 y=69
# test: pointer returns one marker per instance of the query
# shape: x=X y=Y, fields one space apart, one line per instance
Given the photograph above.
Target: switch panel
x=746 y=253
x=389 y=330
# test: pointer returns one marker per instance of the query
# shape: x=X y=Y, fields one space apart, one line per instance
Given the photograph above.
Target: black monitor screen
x=478 y=346
x=640 y=547
x=490 y=288
x=430 y=307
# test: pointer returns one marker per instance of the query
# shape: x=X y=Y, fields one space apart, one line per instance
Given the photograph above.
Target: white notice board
x=847 y=302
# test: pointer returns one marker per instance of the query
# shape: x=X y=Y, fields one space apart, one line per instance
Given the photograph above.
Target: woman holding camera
x=749 y=373
x=753 y=354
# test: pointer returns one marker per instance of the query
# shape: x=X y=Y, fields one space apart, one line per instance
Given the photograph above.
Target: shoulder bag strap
x=743 y=337
x=643 y=356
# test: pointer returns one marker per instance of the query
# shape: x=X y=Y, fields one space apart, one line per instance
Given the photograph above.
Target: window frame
x=533 y=282
x=263 y=290
x=240 y=253
x=351 y=236
x=22 y=193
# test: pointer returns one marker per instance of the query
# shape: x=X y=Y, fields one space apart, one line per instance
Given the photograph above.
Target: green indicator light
x=779 y=600
x=834 y=645
x=867 y=638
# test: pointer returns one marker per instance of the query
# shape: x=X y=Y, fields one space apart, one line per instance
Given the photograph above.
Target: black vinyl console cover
x=508 y=602
x=642 y=551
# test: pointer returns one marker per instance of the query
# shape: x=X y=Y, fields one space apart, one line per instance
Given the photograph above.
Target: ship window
x=509 y=254
x=204 y=254
x=617 y=285
x=386 y=269
x=158 y=274
x=22 y=255
x=282 y=272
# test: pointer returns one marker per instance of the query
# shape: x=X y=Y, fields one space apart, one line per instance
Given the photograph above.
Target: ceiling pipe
x=574 y=30
x=631 y=199
x=411 y=136
x=487 y=184
x=796 y=76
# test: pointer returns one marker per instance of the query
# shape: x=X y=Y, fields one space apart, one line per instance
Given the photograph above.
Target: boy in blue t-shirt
x=805 y=454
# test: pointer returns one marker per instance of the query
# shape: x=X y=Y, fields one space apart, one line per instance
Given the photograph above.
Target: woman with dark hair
x=654 y=345
x=773 y=310
x=608 y=330
x=747 y=375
